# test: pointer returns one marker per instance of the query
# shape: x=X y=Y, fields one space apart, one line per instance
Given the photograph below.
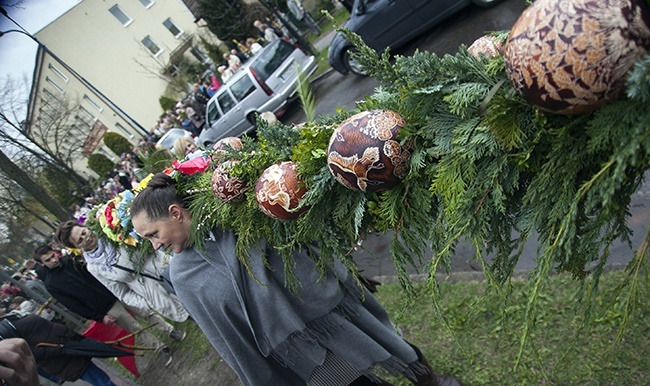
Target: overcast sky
x=17 y=51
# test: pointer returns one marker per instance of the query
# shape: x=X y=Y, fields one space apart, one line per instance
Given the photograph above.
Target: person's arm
x=121 y=290
x=17 y=364
x=78 y=307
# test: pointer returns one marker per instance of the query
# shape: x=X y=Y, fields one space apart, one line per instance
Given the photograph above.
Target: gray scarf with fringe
x=250 y=317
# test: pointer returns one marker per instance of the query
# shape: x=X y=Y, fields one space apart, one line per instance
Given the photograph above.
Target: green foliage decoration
x=487 y=168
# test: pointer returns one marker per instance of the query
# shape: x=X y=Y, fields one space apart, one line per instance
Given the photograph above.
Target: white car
x=266 y=82
x=168 y=139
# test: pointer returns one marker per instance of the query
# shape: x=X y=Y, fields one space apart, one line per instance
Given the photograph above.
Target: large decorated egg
x=364 y=154
x=571 y=56
x=227 y=188
x=278 y=191
x=487 y=45
x=225 y=145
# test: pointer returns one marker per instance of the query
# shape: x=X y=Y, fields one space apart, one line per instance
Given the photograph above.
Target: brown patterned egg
x=364 y=154
x=222 y=146
x=571 y=56
x=226 y=188
x=487 y=45
x=278 y=191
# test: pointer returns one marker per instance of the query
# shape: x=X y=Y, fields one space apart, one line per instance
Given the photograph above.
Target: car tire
x=352 y=65
x=252 y=118
x=486 y=3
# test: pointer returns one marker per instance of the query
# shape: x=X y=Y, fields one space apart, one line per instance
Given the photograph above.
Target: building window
x=151 y=46
x=46 y=119
x=122 y=129
x=120 y=15
x=53 y=83
x=51 y=98
x=85 y=117
x=199 y=55
x=92 y=103
x=147 y=3
x=169 y=24
x=58 y=72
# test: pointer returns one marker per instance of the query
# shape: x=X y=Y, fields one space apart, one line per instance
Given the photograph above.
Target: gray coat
x=271 y=337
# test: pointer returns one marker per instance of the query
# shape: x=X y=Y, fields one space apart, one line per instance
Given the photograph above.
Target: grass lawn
x=482 y=343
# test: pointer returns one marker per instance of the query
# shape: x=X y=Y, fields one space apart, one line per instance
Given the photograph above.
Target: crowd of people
x=331 y=333
x=189 y=112
x=95 y=280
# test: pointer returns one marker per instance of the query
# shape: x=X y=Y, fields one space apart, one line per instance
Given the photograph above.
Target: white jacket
x=137 y=290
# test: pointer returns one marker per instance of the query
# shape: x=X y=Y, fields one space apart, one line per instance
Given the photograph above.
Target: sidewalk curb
x=325 y=74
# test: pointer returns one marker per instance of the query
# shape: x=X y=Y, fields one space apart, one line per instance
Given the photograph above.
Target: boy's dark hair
x=64 y=232
x=42 y=250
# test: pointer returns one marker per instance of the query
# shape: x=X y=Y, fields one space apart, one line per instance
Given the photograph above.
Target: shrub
x=100 y=164
x=117 y=143
x=167 y=103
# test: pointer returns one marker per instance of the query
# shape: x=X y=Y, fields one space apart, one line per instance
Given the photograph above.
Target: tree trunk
x=13 y=172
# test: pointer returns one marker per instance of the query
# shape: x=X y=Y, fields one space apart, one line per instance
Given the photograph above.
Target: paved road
x=335 y=91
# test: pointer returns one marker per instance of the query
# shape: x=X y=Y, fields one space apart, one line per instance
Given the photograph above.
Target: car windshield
x=170 y=138
x=270 y=59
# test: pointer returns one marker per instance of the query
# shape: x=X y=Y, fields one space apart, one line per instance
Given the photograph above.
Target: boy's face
x=50 y=260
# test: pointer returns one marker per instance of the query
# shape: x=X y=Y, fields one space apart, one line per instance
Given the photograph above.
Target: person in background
x=225 y=73
x=72 y=285
x=211 y=84
x=253 y=46
x=233 y=61
x=266 y=31
x=185 y=148
x=138 y=286
x=243 y=57
x=332 y=332
x=53 y=360
x=17 y=363
x=298 y=11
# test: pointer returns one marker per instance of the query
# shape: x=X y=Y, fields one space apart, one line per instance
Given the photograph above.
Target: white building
x=110 y=61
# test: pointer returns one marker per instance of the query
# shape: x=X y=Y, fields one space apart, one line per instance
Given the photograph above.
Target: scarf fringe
x=286 y=353
x=394 y=367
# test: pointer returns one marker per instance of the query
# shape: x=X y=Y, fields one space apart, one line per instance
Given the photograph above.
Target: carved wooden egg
x=572 y=56
x=227 y=188
x=487 y=45
x=278 y=191
x=222 y=146
x=364 y=154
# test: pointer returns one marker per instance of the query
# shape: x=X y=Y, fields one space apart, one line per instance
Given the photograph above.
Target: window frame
x=230 y=99
x=55 y=70
x=121 y=11
x=149 y=4
x=160 y=49
x=54 y=84
x=240 y=93
x=123 y=130
x=180 y=31
x=93 y=103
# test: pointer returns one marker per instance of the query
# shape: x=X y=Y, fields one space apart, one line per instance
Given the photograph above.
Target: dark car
x=391 y=23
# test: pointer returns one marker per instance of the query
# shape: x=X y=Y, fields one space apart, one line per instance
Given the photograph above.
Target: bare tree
x=57 y=150
x=21 y=209
x=19 y=150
